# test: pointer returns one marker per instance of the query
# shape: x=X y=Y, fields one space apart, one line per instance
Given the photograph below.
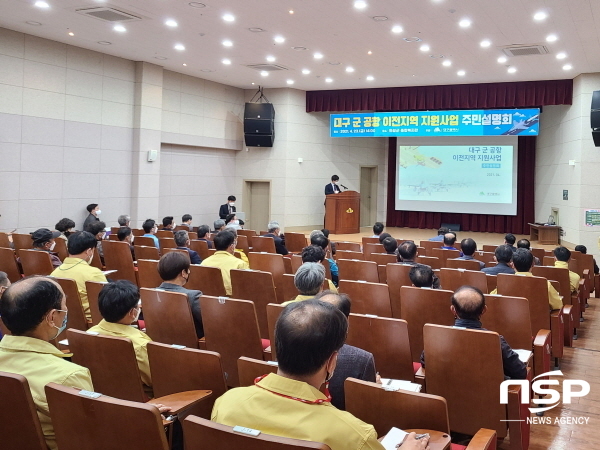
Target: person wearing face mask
x=94 y=211
x=174 y=269
x=34 y=310
x=65 y=226
x=227 y=208
x=125 y=235
x=231 y=221
x=76 y=266
x=333 y=188
x=119 y=304
x=43 y=240
x=225 y=243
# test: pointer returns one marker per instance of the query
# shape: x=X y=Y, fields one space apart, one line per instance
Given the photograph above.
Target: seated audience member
x=510 y=240
x=125 y=235
x=174 y=269
x=43 y=241
x=77 y=266
x=65 y=226
x=94 y=211
x=562 y=256
x=390 y=245
x=4 y=283
x=219 y=225
x=225 y=243
x=407 y=252
x=34 y=310
x=325 y=232
x=503 y=256
x=308 y=279
x=119 y=304
x=203 y=234
x=316 y=254
x=320 y=240
x=583 y=249
x=150 y=230
x=239 y=250
x=377 y=229
x=182 y=241
x=227 y=208
x=522 y=260
x=384 y=236
x=524 y=243
x=469 y=246
x=308 y=337
x=124 y=220
x=440 y=234
x=352 y=362
x=97 y=229
x=274 y=231
x=449 y=241
x=186 y=219
x=421 y=276
x=168 y=223
x=231 y=221
x=468 y=305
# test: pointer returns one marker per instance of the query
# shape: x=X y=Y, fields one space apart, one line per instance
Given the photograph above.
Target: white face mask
x=132 y=239
x=137 y=316
x=91 y=258
x=236 y=222
x=231 y=203
x=99 y=212
x=52 y=246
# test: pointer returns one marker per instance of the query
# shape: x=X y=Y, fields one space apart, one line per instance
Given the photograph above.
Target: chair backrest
x=485 y=257
x=295 y=242
x=381 y=270
x=249 y=369
x=432 y=261
x=539 y=253
x=4 y=240
x=557 y=274
x=207 y=279
x=402 y=409
x=489 y=248
x=421 y=306
x=467 y=264
x=200 y=247
x=112 y=237
x=369 y=240
x=492 y=282
x=509 y=317
x=186 y=369
x=202 y=433
x=387 y=339
x=22 y=241
x=287 y=264
x=146 y=241
x=273 y=313
x=164 y=234
x=20 y=415
x=137 y=232
x=8 y=264
x=444 y=254
x=35 y=262
x=372 y=248
x=81 y=422
x=76 y=317
x=97 y=261
x=452 y=279
x=178 y=250
x=117 y=256
x=263 y=244
x=93 y=289
x=148 y=273
x=381 y=259
x=60 y=247
x=270 y=262
x=368 y=298
x=243 y=244
x=397 y=276
x=548 y=261
x=231 y=329
x=296 y=262
x=358 y=270
x=351 y=246
x=168 y=317
x=349 y=254
x=289 y=288
x=257 y=287
x=166 y=242
x=112 y=363
x=146 y=252
x=467 y=371
x=428 y=246
x=247 y=233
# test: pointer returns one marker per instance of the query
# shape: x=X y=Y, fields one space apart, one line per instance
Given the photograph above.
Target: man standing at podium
x=333 y=188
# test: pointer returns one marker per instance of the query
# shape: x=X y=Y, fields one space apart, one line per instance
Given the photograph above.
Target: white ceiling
x=339 y=31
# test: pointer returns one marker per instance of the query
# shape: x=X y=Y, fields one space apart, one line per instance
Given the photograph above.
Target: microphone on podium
x=343 y=186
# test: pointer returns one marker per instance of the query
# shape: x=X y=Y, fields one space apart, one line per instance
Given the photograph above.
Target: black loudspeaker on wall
x=259 y=128
x=451 y=226
x=595 y=118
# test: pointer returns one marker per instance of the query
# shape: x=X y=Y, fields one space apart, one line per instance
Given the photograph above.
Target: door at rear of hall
x=257 y=204
x=368 y=195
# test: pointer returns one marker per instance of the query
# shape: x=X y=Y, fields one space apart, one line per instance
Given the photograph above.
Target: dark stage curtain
x=472 y=222
x=520 y=94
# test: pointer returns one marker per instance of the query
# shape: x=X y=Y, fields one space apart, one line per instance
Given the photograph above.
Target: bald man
x=468 y=305
x=449 y=240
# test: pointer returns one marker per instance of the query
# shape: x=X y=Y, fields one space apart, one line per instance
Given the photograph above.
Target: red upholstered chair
x=368 y=298
x=432 y=261
x=429 y=246
x=349 y=254
x=21 y=241
x=295 y=242
x=466 y=264
x=270 y=262
x=397 y=276
x=369 y=240
x=257 y=287
x=381 y=259
x=8 y=264
x=146 y=252
x=36 y=262
x=148 y=273
x=358 y=270
x=372 y=248
x=263 y=244
x=117 y=256
x=200 y=247
x=444 y=254
x=452 y=279
x=351 y=246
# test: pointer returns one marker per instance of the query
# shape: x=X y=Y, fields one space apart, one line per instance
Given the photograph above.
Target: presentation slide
x=467 y=175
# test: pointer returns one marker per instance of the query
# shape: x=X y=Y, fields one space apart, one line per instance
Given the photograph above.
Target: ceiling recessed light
x=264 y=73
x=71 y=33
x=256 y=30
x=290 y=81
x=502 y=59
x=197 y=5
x=396 y=29
x=328 y=80
x=567 y=67
x=485 y=43
x=512 y=70
x=447 y=63
x=120 y=28
x=279 y=39
x=424 y=48
x=551 y=38
x=206 y=70
x=271 y=58
x=370 y=77
x=32 y=22
x=349 y=69
x=360 y=4
x=334 y=63
x=299 y=48
x=185 y=65
x=253 y=83
x=171 y=23
x=561 y=55
x=380 y=18
x=412 y=39
x=227 y=43
x=318 y=55
x=461 y=73
x=540 y=15
x=107 y=43
x=228 y=17
x=305 y=71
x=465 y=23
x=162 y=58
x=226 y=61
x=369 y=52
x=179 y=47
x=42 y=4
x=291 y=11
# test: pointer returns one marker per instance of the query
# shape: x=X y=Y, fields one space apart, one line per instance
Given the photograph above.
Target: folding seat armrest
x=484 y=439
x=541 y=352
x=182 y=401
x=518 y=428
x=558 y=333
x=570 y=323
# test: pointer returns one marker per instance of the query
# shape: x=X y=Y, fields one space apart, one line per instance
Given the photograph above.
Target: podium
x=342 y=212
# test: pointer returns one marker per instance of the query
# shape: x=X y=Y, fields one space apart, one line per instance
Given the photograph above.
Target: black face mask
x=68 y=233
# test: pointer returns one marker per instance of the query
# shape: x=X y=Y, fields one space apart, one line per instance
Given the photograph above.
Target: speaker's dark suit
x=224 y=210
x=331 y=188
